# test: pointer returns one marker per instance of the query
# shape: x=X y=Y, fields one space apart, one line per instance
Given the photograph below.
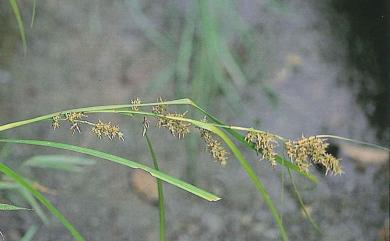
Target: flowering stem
x=160 y=191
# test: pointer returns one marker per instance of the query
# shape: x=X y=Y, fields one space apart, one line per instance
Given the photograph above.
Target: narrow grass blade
x=300 y=200
x=160 y=191
x=8 y=207
x=146 y=26
x=18 y=16
x=176 y=182
x=16 y=177
x=28 y=196
x=29 y=235
x=33 y=13
x=59 y=162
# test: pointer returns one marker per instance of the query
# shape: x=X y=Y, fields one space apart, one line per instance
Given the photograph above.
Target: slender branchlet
x=265 y=144
x=75 y=119
x=312 y=149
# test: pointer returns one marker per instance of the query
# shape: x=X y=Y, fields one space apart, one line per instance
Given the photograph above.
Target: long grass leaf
x=169 y=179
x=19 y=179
x=160 y=191
x=33 y=13
x=18 y=16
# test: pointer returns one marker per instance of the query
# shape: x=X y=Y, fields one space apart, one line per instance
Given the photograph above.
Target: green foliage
x=59 y=162
x=18 y=16
x=8 y=207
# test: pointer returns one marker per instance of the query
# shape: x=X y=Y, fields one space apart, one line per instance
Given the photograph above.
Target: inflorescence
x=303 y=152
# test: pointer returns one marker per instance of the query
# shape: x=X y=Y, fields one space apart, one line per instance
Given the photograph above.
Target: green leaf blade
x=8 y=207
x=102 y=155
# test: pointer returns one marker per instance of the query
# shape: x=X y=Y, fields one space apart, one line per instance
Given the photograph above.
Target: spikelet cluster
x=161 y=108
x=136 y=102
x=177 y=128
x=109 y=130
x=73 y=118
x=265 y=144
x=312 y=149
x=215 y=147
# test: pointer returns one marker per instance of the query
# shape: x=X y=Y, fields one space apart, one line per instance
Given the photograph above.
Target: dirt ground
x=85 y=53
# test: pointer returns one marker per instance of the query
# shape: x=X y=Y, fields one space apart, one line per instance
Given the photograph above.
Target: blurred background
x=288 y=67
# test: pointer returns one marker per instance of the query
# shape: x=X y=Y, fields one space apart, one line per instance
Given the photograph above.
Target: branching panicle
x=100 y=129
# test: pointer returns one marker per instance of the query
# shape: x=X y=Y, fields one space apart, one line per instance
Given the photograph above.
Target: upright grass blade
x=146 y=26
x=28 y=196
x=29 y=235
x=160 y=191
x=20 y=180
x=18 y=16
x=8 y=207
x=176 y=182
x=33 y=13
x=307 y=214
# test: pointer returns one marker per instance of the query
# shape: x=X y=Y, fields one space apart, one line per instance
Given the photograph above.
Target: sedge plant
x=220 y=139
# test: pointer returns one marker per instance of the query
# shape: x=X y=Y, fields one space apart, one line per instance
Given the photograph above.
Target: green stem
x=160 y=191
